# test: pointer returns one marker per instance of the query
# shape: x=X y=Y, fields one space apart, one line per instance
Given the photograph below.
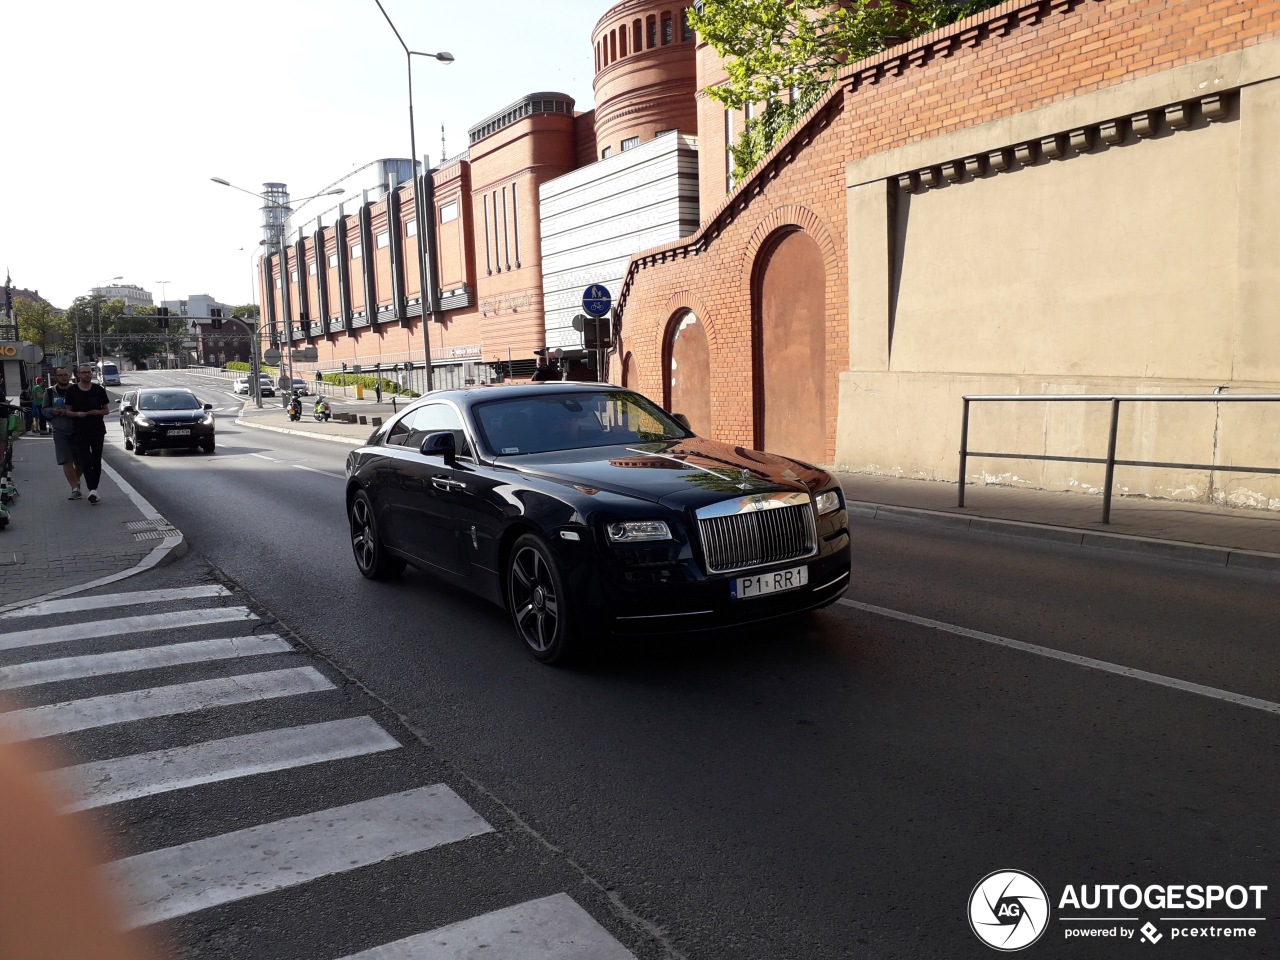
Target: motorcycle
x=322 y=411
x=295 y=408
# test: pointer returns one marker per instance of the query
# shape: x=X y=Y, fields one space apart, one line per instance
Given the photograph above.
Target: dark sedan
x=166 y=417
x=585 y=509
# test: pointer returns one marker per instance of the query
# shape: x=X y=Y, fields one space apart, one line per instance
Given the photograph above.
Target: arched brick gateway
x=789 y=355
x=686 y=360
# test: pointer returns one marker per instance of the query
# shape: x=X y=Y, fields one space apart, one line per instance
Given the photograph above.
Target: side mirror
x=128 y=408
x=208 y=406
x=440 y=444
x=681 y=419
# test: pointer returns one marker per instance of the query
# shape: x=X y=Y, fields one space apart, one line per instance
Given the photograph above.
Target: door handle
x=444 y=483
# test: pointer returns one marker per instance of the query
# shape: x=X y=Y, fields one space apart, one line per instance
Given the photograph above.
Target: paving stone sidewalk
x=52 y=545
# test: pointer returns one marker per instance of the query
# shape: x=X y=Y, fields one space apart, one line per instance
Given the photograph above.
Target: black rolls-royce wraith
x=585 y=508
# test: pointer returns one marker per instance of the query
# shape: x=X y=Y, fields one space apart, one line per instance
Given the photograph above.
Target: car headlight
x=634 y=531
x=827 y=502
x=207 y=418
x=142 y=421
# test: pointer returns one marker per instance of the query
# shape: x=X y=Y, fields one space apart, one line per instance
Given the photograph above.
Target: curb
x=349 y=441
x=1232 y=557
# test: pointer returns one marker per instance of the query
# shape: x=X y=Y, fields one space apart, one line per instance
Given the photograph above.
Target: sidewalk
x=1205 y=533
x=54 y=546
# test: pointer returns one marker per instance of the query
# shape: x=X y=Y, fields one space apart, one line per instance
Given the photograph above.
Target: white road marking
x=263 y=456
x=205 y=873
x=72 y=715
x=1186 y=686
x=145 y=658
x=553 y=928
x=336 y=476
x=65 y=633
x=81 y=604
x=105 y=782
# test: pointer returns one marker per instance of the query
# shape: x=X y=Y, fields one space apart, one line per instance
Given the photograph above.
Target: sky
x=117 y=114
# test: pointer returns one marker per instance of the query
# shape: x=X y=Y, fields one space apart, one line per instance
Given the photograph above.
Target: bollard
x=375 y=421
x=363 y=422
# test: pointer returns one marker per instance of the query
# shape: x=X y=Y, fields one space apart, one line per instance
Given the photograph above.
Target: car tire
x=539 y=603
x=372 y=558
x=207 y=447
x=139 y=450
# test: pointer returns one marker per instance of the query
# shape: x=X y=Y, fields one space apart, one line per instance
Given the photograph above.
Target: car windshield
x=572 y=421
x=168 y=401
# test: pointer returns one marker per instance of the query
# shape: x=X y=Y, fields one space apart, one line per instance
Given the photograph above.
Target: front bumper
x=157 y=437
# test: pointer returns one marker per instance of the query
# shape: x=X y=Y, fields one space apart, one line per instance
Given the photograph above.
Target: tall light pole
x=163 y=284
x=285 y=210
x=426 y=280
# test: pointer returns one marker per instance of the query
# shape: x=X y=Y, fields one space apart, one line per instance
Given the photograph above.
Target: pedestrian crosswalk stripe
x=73 y=715
x=146 y=658
x=81 y=604
x=179 y=880
x=65 y=633
x=553 y=928
x=104 y=782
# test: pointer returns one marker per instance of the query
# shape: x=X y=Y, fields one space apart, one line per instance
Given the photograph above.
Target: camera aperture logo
x=1008 y=910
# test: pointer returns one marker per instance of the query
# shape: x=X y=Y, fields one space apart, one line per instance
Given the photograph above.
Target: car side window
x=435 y=418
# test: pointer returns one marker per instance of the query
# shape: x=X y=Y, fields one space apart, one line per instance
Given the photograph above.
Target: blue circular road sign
x=596 y=300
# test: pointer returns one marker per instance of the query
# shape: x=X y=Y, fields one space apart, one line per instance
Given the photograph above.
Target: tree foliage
x=39 y=323
x=782 y=56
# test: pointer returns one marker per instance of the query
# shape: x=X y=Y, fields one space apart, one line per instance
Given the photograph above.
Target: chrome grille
x=757 y=530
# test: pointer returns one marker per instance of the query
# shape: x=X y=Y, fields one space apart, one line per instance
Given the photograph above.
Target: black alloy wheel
x=208 y=447
x=371 y=556
x=538 y=601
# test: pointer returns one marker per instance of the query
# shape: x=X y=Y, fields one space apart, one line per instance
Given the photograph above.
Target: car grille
x=757 y=530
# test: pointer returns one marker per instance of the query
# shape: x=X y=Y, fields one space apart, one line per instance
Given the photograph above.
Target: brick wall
x=1012 y=58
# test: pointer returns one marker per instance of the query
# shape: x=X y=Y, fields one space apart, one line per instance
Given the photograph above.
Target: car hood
x=680 y=474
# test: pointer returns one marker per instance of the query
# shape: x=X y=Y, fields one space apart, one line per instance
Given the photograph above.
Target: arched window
x=636 y=37
x=613 y=45
x=622 y=41
x=651 y=25
x=668 y=29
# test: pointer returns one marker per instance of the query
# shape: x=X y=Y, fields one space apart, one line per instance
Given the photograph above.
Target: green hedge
x=389 y=387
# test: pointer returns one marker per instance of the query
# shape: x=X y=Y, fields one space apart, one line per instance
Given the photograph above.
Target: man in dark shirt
x=89 y=406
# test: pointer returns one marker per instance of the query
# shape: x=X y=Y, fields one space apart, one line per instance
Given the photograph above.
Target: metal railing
x=1110 y=459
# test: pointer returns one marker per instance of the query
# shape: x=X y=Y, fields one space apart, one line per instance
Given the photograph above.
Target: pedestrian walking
x=37 y=403
x=55 y=410
x=377 y=390
x=89 y=405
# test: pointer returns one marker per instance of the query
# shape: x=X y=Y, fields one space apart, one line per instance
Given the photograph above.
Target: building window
x=357 y=251
x=651 y=23
x=488 y=258
x=635 y=36
x=668 y=29
x=622 y=41
x=311 y=268
x=333 y=259
x=515 y=222
x=604 y=154
x=686 y=31
x=613 y=45
x=293 y=275
x=449 y=211
x=277 y=283
x=383 y=239
x=411 y=226
x=630 y=143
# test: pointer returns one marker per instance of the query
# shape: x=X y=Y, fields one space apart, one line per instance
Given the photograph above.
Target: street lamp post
x=285 y=210
x=163 y=285
x=426 y=279
x=97 y=318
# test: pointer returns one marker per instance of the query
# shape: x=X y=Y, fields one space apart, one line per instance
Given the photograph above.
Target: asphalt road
x=833 y=788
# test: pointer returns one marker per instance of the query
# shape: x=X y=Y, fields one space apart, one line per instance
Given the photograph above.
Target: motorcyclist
x=322 y=408
x=295 y=406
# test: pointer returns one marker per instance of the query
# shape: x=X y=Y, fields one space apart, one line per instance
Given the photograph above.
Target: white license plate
x=179 y=433
x=744 y=588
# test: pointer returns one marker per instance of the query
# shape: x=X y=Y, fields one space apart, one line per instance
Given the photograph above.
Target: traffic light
x=215 y=318
x=162 y=318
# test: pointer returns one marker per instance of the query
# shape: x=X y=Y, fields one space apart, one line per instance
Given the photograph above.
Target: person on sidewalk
x=55 y=410
x=377 y=390
x=89 y=405
x=37 y=404
x=28 y=414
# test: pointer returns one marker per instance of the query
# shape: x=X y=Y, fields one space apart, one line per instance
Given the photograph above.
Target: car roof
x=514 y=391
x=166 y=390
